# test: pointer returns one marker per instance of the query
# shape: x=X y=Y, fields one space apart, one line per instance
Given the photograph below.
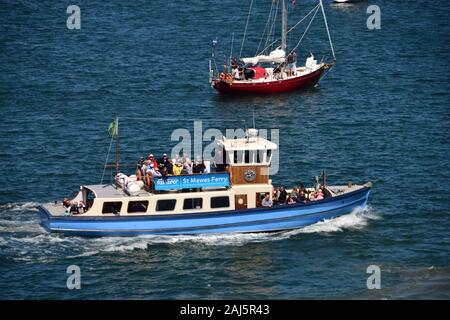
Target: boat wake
x=23 y=239
x=25 y=206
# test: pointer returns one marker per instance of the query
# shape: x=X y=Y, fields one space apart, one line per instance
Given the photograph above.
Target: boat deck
x=301 y=71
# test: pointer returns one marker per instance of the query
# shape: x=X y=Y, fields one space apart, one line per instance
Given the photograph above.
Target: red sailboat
x=271 y=71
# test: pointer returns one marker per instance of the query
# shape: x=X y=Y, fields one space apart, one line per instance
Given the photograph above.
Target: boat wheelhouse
x=227 y=200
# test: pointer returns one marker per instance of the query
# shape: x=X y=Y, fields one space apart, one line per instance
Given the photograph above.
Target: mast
x=117 y=148
x=283 y=26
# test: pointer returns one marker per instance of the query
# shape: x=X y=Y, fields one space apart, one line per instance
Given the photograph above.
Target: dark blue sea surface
x=382 y=114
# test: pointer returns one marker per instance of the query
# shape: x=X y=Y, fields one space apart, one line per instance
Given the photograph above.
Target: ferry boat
x=230 y=199
x=273 y=69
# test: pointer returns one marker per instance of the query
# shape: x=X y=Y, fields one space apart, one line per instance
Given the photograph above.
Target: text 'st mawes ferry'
x=225 y=201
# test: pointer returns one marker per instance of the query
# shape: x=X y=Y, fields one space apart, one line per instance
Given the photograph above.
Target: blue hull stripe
x=249 y=220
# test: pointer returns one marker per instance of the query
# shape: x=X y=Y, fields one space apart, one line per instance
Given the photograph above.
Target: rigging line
x=275 y=22
x=231 y=50
x=303 y=18
x=328 y=31
x=107 y=157
x=269 y=34
x=316 y=7
x=246 y=26
x=304 y=33
x=265 y=28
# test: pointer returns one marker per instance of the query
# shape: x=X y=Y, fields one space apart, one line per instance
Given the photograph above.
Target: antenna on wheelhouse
x=254 y=127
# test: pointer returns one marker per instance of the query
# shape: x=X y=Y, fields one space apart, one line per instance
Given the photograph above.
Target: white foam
x=13 y=226
x=24 y=206
x=43 y=244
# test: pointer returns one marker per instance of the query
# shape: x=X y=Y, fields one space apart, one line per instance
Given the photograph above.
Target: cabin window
x=220 y=202
x=137 y=206
x=90 y=196
x=112 y=207
x=224 y=156
x=193 y=203
x=165 y=205
x=247 y=156
x=259 y=153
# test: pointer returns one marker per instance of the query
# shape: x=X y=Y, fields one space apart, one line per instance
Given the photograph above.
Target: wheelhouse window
x=224 y=157
x=137 y=206
x=247 y=156
x=112 y=207
x=88 y=197
x=193 y=203
x=220 y=202
x=166 y=205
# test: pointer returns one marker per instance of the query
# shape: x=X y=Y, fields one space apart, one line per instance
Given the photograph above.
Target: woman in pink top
x=319 y=195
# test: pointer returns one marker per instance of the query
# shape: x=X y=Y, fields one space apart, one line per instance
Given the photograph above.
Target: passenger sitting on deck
x=148 y=179
x=302 y=187
x=177 y=168
x=266 y=202
x=302 y=197
x=199 y=167
x=278 y=71
x=325 y=192
x=282 y=195
x=139 y=173
x=187 y=167
x=151 y=158
x=164 y=159
x=164 y=172
x=82 y=207
x=290 y=200
x=294 y=193
x=176 y=159
x=234 y=63
x=74 y=209
x=153 y=171
x=318 y=195
x=235 y=73
x=66 y=205
x=169 y=167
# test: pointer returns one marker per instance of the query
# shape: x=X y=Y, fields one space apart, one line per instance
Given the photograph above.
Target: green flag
x=113 y=128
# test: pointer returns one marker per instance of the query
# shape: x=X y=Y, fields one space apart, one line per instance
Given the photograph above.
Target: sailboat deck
x=301 y=71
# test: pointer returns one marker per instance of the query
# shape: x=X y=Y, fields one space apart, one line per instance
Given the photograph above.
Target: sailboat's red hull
x=269 y=87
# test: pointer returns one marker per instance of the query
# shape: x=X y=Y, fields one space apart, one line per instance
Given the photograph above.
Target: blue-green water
x=382 y=114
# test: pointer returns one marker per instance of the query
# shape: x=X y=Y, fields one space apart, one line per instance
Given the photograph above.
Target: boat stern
x=44 y=217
